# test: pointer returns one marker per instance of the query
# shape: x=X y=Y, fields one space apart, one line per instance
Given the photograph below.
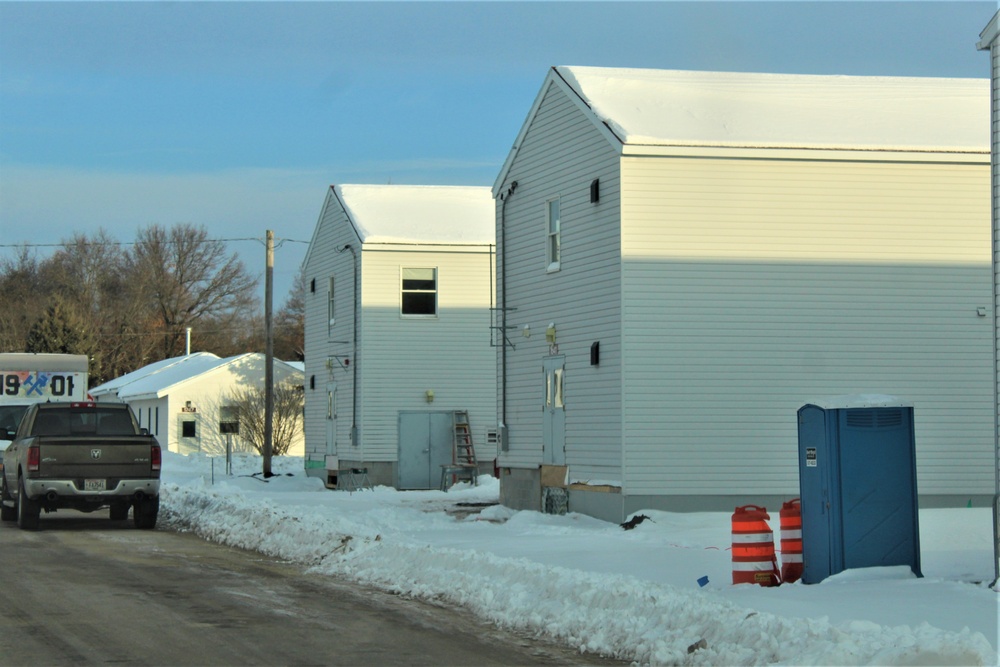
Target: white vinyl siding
x=561 y=155
x=450 y=354
x=396 y=359
x=754 y=286
x=325 y=344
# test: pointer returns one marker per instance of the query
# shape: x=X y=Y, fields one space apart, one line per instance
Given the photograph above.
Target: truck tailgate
x=113 y=457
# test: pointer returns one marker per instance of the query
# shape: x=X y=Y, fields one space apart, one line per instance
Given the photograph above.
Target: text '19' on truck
x=84 y=456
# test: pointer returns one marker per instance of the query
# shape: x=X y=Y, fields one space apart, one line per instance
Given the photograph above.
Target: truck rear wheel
x=145 y=511
x=27 y=510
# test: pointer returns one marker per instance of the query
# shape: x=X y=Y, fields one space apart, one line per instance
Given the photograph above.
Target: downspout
x=504 y=444
x=354 y=348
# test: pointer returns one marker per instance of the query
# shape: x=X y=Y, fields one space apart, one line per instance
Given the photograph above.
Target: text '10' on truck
x=84 y=456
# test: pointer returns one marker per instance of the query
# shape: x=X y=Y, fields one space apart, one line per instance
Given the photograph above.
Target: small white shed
x=397 y=334
x=184 y=401
x=685 y=258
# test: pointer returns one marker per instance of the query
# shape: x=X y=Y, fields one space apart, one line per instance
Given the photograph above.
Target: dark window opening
x=419 y=293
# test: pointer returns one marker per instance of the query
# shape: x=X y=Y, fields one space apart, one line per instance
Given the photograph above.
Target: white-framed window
x=330 y=311
x=552 y=218
x=419 y=292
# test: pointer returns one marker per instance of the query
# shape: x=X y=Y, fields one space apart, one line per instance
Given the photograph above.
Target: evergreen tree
x=60 y=330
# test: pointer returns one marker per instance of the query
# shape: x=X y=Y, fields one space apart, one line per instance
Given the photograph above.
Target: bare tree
x=247 y=406
x=91 y=275
x=187 y=277
x=290 y=322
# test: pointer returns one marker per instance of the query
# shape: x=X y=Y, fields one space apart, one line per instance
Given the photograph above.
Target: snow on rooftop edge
x=114 y=385
x=440 y=214
x=756 y=110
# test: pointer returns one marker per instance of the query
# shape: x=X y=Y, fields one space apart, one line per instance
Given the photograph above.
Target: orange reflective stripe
x=753 y=552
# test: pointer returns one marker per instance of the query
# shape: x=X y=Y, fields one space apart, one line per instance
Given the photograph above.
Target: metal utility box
x=858 y=485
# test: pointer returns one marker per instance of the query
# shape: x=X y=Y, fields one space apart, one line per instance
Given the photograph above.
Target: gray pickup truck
x=82 y=456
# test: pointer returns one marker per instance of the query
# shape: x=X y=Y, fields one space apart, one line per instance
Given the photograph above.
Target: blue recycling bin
x=858 y=485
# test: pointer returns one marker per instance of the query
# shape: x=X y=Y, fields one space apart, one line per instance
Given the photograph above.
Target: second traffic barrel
x=791 y=541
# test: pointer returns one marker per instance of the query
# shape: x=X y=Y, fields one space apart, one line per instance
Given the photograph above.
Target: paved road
x=84 y=590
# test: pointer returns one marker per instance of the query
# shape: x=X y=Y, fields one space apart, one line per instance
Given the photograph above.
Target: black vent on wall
x=595 y=191
x=312 y=286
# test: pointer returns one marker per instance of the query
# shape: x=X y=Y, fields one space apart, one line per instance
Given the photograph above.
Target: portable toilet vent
x=858 y=485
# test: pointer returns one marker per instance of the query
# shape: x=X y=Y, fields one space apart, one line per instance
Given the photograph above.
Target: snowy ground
x=590 y=584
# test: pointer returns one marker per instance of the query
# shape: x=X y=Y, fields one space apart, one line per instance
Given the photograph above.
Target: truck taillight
x=154 y=457
x=34 y=458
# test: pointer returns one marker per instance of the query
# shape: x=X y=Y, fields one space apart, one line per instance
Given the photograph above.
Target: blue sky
x=238 y=115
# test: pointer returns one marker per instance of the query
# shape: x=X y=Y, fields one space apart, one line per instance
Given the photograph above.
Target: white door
x=331 y=419
x=554 y=412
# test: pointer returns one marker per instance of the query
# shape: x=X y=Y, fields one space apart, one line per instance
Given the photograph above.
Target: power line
x=199 y=332
x=66 y=244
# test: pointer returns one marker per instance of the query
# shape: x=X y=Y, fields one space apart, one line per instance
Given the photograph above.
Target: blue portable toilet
x=858 y=485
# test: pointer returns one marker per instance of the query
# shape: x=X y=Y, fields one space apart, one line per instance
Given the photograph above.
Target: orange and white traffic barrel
x=754 y=561
x=791 y=541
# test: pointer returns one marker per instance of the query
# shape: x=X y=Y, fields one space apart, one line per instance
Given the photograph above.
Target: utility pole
x=268 y=355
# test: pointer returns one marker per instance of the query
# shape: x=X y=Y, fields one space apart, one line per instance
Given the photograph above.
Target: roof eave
x=319 y=222
x=553 y=77
x=929 y=154
x=989 y=34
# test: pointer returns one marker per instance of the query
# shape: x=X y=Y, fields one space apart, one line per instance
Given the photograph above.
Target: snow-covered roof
x=155 y=380
x=113 y=387
x=153 y=384
x=433 y=214
x=754 y=110
x=159 y=384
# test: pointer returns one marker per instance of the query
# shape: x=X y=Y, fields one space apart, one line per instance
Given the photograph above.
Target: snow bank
x=369 y=537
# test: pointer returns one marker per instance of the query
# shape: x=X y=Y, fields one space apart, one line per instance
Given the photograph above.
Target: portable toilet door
x=818 y=484
x=857 y=479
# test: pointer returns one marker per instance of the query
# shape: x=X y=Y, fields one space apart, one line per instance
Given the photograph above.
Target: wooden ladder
x=463 y=454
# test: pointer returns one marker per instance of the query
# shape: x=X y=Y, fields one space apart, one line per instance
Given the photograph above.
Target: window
x=419 y=296
x=554 y=389
x=188 y=430
x=229 y=421
x=329 y=308
x=552 y=216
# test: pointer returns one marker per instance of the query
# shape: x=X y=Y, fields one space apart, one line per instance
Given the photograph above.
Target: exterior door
x=878 y=488
x=554 y=412
x=425 y=444
x=331 y=419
